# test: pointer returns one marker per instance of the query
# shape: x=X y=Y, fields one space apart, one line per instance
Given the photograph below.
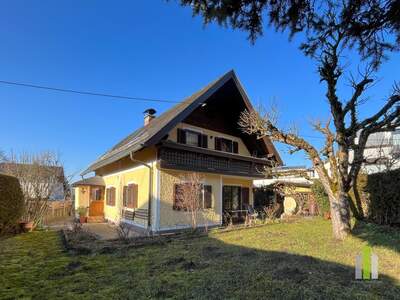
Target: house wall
x=124 y=172
x=173 y=219
x=82 y=195
x=173 y=136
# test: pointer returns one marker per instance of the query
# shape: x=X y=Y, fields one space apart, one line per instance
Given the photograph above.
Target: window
x=205 y=197
x=192 y=138
x=235 y=197
x=110 y=196
x=226 y=145
x=96 y=193
x=130 y=196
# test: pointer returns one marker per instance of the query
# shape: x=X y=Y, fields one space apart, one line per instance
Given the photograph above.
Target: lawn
x=284 y=260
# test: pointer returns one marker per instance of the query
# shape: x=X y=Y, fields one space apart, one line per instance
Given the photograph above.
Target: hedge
x=11 y=202
x=384 y=197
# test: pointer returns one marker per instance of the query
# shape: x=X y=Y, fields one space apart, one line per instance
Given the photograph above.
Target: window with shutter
x=110 y=195
x=134 y=195
x=204 y=141
x=226 y=145
x=181 y=136
x=235 y=147
x=193 y=138
x=178 y=197
x=207 y=194
x=125 y=196
x=131 y=195
x=217 y=141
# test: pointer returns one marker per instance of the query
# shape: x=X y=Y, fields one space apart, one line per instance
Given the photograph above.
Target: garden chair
x=251 y=215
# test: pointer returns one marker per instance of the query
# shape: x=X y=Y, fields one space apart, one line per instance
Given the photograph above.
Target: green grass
x=296 y=260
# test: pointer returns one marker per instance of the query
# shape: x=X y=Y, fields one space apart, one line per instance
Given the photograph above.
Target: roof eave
x=103 y=162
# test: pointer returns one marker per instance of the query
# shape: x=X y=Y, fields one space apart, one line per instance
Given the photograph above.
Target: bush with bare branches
x=41 y=175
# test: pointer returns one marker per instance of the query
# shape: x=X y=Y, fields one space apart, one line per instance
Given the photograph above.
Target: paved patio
x=106 y=231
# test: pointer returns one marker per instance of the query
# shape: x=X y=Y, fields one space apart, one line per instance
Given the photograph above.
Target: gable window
x=192 y=138
x=204 y=199
x=110 y=196
x=225 y=145
x=130 y=196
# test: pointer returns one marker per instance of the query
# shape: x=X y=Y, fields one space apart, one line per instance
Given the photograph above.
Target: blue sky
x=148 y=49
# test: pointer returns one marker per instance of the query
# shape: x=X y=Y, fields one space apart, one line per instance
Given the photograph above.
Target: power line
x=113 y=96
x=85 y=92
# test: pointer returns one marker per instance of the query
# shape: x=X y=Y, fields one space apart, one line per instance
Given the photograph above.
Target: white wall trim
x=221 y=183
x=194 y=129
x=186 y=226
x=158 y=201
x=241 y=177
x=234 y=184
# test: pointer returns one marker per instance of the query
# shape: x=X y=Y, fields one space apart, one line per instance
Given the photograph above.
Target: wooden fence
x=58 y=210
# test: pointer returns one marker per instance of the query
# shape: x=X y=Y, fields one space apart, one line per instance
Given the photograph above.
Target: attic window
x=226 y=145
x=192 y=138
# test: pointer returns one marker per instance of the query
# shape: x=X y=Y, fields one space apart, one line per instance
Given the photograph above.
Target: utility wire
x=84 y=92
x=111 y=96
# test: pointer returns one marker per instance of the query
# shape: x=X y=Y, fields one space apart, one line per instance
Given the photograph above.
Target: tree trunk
x=340 y=215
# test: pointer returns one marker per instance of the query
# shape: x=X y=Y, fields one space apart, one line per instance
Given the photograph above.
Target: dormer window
x=192 y=138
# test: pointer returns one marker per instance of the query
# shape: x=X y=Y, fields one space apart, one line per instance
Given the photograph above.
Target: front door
x=96 y=204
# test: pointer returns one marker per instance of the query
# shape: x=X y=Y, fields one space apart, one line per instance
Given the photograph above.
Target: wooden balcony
x=182 y=157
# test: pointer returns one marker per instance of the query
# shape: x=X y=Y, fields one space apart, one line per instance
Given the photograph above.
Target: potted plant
x=29 y=226
x=82 y=211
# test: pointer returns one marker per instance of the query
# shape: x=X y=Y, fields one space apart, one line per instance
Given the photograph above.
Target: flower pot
x=327 y=215
x=82 y=219
x=28 y=226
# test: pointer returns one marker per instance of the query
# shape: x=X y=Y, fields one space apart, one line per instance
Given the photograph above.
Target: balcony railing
x=183 y=157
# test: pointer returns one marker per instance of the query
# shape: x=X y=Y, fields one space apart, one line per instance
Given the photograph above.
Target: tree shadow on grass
x=197 y=268
x=212 y=269
x=378 y=235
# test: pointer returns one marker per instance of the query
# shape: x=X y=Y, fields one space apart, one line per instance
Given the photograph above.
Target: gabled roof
x=95 y=180
x=153 y=132
x=13 y=168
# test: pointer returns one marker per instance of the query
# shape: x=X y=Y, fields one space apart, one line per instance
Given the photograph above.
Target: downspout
x=150 y=186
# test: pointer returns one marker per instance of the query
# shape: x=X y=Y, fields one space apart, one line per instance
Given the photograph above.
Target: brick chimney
x=149 y=115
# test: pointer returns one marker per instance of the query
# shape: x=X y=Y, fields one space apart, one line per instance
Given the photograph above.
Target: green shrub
x=320 y=197
x=11 y=202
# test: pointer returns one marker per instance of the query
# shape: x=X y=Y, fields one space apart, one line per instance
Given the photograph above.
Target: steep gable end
x=223 y=99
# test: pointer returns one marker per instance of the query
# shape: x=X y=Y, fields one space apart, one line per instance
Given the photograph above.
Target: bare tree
x=330 y=30
x=189 y=195
x=341 y=174
x=41 y=176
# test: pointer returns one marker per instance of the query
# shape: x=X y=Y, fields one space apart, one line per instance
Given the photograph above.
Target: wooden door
x=96 y=208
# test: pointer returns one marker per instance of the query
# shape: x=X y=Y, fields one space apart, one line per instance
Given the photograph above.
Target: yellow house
x=137 y=180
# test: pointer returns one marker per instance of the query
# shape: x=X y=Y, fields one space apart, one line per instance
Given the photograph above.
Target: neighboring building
x=382 y=152
x=138 y=179
x=55 y=184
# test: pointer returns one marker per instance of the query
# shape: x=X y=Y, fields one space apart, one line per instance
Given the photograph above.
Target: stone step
x=95 y=219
